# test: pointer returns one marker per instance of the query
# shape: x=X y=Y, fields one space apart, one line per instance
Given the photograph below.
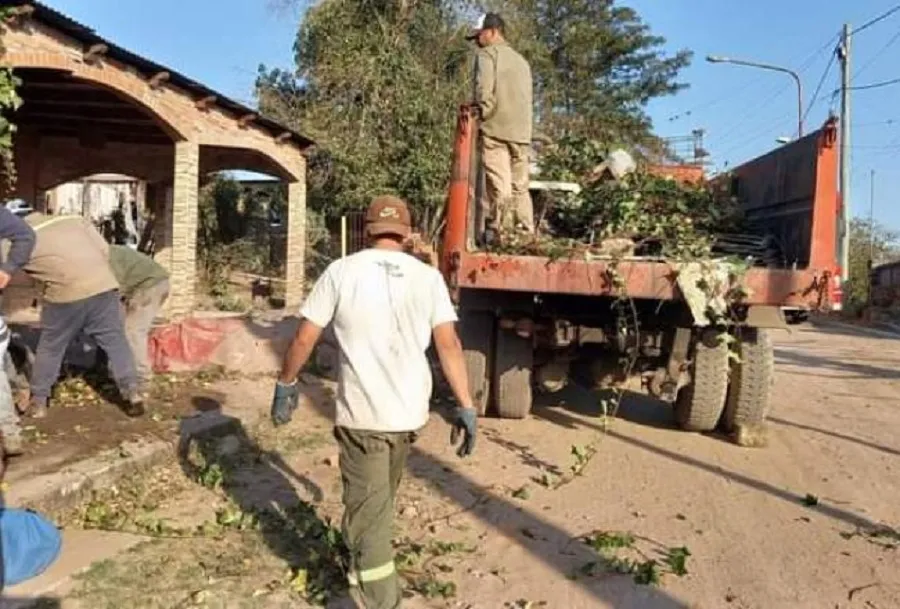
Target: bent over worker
x=71 y=259
x=21 y=238
x=503 y=102
x=385 y=307
x=144 y=286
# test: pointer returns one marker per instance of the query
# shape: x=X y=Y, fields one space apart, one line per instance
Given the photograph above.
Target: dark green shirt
x=133 y=270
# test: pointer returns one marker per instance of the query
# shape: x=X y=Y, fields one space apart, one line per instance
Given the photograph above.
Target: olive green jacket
x=503 y=92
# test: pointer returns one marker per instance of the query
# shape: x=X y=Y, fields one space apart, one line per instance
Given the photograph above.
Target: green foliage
x=596 y=64
x=602 y=541
x=244 y=229
x=382 y=81
x=378 y=84
x=9 y=102
x=644 y=570
x=662 y=216
x=866 y=240
x=676 y=559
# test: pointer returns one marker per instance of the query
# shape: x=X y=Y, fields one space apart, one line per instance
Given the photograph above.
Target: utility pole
x=872 y=222
x=844 y=222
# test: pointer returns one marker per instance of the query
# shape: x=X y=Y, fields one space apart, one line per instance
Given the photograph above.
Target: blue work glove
x=465 y=421
x=284 y=402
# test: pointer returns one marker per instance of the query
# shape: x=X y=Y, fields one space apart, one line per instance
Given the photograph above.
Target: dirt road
x=809 y=521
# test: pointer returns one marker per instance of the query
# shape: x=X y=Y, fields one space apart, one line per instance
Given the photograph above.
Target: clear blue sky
x=743 y=110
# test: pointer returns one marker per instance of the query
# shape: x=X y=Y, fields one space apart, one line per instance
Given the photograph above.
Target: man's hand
x=284 y=402
x=465 y=421
x=5 y=278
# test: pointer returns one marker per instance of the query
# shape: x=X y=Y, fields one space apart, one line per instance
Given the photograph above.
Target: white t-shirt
x=383 y=305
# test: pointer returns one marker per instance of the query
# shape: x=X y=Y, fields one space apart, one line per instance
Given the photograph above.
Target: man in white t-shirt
x=385 y=307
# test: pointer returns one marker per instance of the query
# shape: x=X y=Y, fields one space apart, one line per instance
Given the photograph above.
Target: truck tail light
x=837 y=293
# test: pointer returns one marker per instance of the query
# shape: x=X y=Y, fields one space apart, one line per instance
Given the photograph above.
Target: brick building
x=93 y=107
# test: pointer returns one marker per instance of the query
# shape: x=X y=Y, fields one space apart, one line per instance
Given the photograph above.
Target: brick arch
x=125 y=83
x=223 y=155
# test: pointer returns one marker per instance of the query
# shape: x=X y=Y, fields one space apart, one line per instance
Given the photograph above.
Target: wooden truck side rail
x=811 y=287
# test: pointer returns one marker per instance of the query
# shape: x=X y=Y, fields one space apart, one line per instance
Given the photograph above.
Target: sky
x=742 y=110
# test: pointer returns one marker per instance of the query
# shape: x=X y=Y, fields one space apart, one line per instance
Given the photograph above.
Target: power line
x=876 y=85
x=775 y=93
x=869 y=63
x=872 y=22
x=819 y=86
x=889 y=121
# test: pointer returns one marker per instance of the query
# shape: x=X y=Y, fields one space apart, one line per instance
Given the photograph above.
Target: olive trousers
x=371 y=464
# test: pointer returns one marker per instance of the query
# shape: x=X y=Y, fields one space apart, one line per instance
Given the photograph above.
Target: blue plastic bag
x=29 y=543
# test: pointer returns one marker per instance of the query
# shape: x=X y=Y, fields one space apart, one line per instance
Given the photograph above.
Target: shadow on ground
x=258 y=481
x=42 y=602
x=834 y=434
x=568 y=421
x=543 y=540
x=786 y=356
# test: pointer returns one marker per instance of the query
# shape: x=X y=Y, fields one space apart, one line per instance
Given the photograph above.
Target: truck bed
x=645 y=279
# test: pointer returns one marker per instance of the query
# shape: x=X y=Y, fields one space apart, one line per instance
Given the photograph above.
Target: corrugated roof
x=68 y=26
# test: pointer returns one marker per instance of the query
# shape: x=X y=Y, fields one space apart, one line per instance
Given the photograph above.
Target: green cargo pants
x=371 y=467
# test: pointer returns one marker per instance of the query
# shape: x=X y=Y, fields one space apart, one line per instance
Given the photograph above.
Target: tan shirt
x=503 y=90
x=70 y=257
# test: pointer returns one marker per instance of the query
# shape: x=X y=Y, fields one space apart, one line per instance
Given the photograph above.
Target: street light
x=765 y=66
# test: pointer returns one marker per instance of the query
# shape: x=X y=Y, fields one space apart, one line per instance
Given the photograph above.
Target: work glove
x=465 y=421
x=284 y=402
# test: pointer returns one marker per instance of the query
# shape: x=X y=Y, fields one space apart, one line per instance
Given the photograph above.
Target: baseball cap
x=488 y=21
x=388 y=215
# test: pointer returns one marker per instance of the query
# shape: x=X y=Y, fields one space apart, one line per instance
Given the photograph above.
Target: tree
x=867 y=241
x=596 y=66
x=9 y=102
x=377 y=84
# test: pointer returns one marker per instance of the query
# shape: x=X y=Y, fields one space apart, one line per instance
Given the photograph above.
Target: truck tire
x=476 y=332
x=513 y=361
x=699 y=405
x=750 y=391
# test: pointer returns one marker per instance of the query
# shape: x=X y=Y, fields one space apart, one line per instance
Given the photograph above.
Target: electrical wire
x=776 y=93
x=872 y=22
x=875 y=85
x=875 y=57
x=815 y=96
x=734 y=93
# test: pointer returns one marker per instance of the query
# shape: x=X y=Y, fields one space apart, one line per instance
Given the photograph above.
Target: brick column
x=295 y=257
x=184 y=229
x=159 y=199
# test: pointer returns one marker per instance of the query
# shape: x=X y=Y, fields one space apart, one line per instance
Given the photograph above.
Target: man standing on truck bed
x=81 y=294
x=503 y=102
x=385 y=307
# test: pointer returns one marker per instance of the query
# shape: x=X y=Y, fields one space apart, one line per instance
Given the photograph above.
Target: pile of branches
x=639 y=214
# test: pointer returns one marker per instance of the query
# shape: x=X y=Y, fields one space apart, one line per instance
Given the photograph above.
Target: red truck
x=525 y=319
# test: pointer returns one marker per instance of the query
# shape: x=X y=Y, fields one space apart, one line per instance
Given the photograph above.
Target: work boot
x=37 y=408
x=134 y=404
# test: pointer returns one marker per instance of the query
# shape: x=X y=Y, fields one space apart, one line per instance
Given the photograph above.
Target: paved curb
x=62 y=490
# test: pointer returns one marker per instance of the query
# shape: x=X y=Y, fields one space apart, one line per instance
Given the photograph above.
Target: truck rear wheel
x=752 y=376
x=477 y=336
x=514 y=358
x=699 y=405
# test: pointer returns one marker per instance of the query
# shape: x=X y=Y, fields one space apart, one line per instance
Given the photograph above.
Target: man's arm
x=298 y=353
x=317 y=313
x=446 y=341
x=485 y=77
x=21 y=237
